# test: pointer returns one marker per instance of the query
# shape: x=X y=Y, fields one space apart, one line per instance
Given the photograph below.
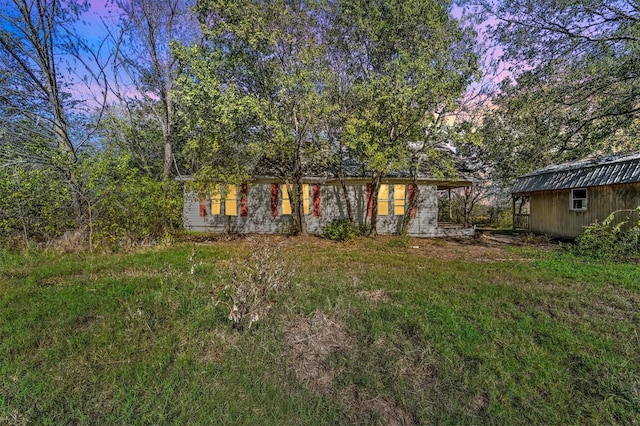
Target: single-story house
x=262 y=205
x=562 y=200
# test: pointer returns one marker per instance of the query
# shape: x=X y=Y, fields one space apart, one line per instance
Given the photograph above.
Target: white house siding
x=260 y=220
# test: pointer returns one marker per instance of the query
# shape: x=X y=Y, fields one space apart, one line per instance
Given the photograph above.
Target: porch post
x=513 y=212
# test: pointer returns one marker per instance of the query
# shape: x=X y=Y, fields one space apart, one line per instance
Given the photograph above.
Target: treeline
x=220 y=91
x=94 y=131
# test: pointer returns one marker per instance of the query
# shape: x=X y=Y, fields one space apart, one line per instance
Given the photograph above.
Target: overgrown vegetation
x=612 y=239
x=343 y=230
x=256 y=281
x=117 y=206
x=431 y=332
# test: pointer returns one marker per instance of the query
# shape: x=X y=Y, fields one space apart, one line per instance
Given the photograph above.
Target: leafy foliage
x=34 y=205
x=611 y=240
x=343 y=230
x=124 y=206
x=572 y=86
x=121 y=205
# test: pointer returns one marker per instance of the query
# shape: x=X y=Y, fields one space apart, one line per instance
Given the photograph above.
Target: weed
x=255 y=281
x=611 y=240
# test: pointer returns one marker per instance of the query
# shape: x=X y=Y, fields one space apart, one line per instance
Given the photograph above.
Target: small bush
x=255 y=282
x=343 y=230
x=606 y=240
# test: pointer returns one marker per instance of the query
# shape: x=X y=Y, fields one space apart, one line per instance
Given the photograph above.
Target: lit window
x=216 y=200
x=398 y=200
x=579 y=199
x=383 y=200
x=305 y=198
x=286 y=203
x=230 y=201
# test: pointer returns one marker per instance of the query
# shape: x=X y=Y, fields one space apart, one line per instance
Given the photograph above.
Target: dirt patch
x=364 y=408
x=375 y=296
x=311 y=341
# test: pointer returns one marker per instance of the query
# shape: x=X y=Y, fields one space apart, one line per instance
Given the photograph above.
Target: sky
x=93 y=27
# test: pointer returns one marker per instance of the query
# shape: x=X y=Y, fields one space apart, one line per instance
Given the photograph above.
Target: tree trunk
x=345 y=194
x=413 y=202
x=376 y=181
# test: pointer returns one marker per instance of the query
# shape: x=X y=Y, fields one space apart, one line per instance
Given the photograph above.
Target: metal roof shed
x=565 y=198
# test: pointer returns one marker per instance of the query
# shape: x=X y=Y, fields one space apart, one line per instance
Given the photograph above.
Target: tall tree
x=146 y=67
x=41 y=56
x=574 y=81
x=406 y=61
x=270 y=51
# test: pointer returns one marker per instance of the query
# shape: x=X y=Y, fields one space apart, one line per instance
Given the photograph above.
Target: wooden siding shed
x=564 y=199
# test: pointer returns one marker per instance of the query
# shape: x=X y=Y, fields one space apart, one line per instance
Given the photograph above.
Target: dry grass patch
x=311 y=341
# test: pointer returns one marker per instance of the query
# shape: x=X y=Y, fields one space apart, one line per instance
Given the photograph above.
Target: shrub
x=606 y=240
x=255 y=282
x=343 y=230
x=35 y=205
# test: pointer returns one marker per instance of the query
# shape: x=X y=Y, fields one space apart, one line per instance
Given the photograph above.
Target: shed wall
x=550 y=212
x=260 y=219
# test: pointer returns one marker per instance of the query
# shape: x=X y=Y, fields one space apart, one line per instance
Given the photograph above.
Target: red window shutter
x=274 y=199
x=203 y=207
x=411 y=195
x=244 y=208
x=369 y=201
x=316 y=200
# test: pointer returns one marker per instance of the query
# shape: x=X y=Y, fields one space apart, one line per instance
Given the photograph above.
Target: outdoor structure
x=562 y=200
x=262 y=205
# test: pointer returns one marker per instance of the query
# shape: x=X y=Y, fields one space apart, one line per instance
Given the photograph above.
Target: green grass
x=421 y=336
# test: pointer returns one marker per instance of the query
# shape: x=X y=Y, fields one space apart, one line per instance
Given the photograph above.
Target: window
x=305 y=198
x=286 y=202
x=216 y=200
x=230 y=201
x=398 y=200
x=383 y=200
x=579 y=199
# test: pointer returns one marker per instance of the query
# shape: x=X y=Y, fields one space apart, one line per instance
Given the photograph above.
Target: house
x=562 y=200
x=262 y=205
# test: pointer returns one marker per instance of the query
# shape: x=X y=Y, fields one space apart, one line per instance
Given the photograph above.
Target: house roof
x=607 y=170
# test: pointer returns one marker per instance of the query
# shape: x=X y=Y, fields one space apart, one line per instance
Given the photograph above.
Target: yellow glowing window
x=305 y=198
x=398 y=200
x=215 y=199
x=286 y=203
x=383 y=200
x=230 y=202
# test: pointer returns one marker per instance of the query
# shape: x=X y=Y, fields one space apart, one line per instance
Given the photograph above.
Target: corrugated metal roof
x=609 y=170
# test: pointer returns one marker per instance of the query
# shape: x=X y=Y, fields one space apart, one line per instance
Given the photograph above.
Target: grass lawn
x=384 y=331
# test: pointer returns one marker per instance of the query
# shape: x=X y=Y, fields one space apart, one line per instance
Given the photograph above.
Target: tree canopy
x=574 y=81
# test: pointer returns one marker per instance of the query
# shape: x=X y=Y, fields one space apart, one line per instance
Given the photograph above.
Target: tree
x=42 y=120
x=269 y=51
x=574 y=85
x=406 y=61
x=146 y=67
